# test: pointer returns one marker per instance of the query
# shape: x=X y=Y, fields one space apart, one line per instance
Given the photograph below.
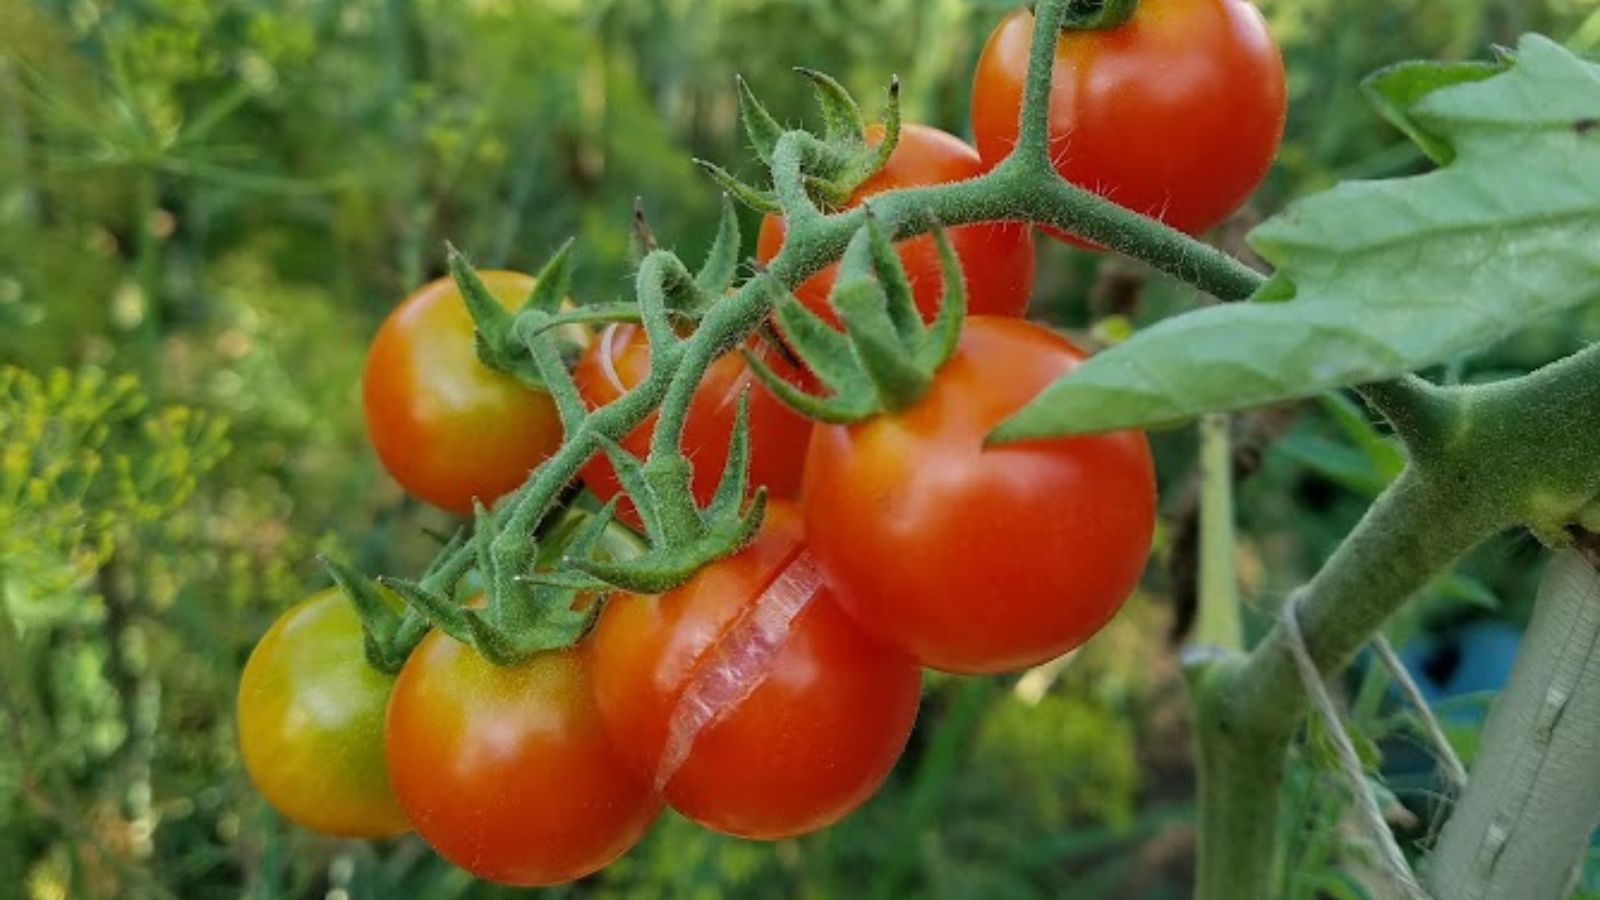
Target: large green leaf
x=1393 y=92
x=1382 y=277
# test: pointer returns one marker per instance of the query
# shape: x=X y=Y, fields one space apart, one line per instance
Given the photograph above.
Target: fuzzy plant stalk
x=1482 y=460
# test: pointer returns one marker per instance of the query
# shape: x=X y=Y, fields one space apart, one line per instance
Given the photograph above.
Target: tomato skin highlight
x=996 y=257
x=507 y=771
x=809 y=744
x=620 y=359
x=310 y=714
x=1176 y=114
x=972 y=559
x=445 y=426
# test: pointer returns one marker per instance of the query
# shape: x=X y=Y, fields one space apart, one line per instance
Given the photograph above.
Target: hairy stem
x=1522 y=827
x=1517 y=452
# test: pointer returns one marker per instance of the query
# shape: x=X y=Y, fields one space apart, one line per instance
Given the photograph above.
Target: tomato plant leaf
x=1395 y=90
x=1382 y=277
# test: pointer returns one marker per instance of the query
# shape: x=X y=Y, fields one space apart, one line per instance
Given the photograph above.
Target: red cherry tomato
x=447 y=427
x=311 y=723
x=750 y=697
x=507 y=771
x=620 y=359
x=997 y=257
x=1176 y=114
x=979 y=559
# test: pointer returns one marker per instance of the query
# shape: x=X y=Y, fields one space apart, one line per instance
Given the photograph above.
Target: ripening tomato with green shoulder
x=310 y=714
x=997 y=257
x=445 y=426
x=1174 y=114
x=507 y=771
x=620 y=358
x=748 y=696
x=971 y=558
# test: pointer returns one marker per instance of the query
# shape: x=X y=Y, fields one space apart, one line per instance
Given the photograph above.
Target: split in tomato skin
x=803 y=717
x=996 y=257
x=507 y=771
x=310 y=714
x=977 y=559
x=445 y=426
x=620 y=358
x=1175 y=114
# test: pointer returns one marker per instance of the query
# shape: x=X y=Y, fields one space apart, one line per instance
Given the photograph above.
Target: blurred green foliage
x=206 y=206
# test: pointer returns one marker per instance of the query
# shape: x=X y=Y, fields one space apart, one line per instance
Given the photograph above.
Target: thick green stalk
x=1521 y=829
x=1485 y=458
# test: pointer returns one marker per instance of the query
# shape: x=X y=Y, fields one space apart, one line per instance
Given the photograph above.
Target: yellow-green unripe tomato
x=311 y=723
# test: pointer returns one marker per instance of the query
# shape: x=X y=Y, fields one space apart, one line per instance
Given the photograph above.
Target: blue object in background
x=1473 y=659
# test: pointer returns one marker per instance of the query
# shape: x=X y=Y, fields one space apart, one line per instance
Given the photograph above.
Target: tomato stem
x=1518 y=452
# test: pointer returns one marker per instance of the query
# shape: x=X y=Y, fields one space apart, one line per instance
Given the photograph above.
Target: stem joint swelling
x=1519 y=452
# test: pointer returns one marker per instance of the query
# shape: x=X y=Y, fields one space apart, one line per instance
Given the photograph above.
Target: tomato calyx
x=388 y=635
x=886 y=357
x=1096 y=15
x=500 y=344
x=682 y=537
x=834 y=164
x=528 y=607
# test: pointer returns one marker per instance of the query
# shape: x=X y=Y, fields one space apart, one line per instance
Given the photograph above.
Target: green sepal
x=600 y=533
x=1097 y=15
x=894 y=376
x=491 y=322
x=759 y=125
x=735 y=481
x=886 y=358
x=842 y=123
x=716 y=275
x=379 y=620
x=825 y=351
x=938 y=342
x=439 y=610
x=832 y=410
x=761 y=201
x=531 y=609
x=630 y=476
x=875 y=257
x=662 y=568
x=552 y=283
x=836 y=163
x=496 y=335
x=867 y=162
x=682 y=538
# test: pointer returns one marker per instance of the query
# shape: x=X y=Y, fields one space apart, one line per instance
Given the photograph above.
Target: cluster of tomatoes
x=771 y=695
